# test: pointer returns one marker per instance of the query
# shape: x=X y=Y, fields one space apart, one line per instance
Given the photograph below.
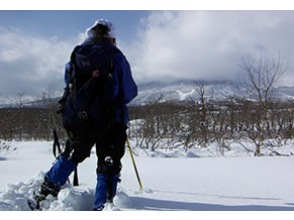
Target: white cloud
x=169 y=45
x=28 y=64
x=208 y=44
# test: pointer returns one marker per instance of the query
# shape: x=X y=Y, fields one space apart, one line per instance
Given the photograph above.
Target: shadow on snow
x=168 y=205
x=162 y=205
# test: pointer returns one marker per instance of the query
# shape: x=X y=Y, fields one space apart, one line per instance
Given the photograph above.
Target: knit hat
x=104 y=22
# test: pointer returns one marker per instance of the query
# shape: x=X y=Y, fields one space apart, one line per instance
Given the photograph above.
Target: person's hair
x=101 y=31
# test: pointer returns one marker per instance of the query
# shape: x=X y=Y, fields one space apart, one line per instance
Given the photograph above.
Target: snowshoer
x=99 y=85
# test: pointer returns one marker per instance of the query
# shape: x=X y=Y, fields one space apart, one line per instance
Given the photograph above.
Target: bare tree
x=202 y=111
x=263 y=76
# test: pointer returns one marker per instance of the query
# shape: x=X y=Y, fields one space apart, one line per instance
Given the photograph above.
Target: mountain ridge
x=185 y=90
x=180 y=91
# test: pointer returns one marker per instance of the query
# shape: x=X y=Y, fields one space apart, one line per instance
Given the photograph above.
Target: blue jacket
x=125 y=88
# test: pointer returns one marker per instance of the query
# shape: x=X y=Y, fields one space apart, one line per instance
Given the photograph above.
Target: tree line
x=173 y=125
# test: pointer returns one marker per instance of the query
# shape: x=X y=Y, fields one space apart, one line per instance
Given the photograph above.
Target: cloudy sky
x=160 y=44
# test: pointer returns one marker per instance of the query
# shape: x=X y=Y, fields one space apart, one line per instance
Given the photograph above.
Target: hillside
x=184 y=90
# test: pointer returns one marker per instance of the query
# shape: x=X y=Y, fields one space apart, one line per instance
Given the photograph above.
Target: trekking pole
x=134 y=164
x=56 y=144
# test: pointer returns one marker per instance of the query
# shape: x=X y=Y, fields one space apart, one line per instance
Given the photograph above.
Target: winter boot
x=47 y=188
x=105 y=190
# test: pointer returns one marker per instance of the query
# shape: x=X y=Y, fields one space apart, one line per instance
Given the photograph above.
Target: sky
x=160 y=45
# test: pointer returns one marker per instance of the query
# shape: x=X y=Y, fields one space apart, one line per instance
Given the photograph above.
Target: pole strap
x=56 y=144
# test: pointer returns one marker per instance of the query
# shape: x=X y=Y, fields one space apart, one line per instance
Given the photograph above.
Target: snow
x=238 y=182
x=214 y=90
x=184 y=95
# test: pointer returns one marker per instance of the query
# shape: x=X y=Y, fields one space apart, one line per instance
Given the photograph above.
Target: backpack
x=88 y=101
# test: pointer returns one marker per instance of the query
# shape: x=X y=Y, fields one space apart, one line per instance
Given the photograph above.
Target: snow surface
x=179 y=182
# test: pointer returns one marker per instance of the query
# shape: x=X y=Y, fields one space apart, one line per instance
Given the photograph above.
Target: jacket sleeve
x=127 y=88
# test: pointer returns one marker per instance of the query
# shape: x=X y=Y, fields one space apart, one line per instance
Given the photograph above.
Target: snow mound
x=74 y=198
x=122 y=200
x=80 y=198
x=191 y=154
x=6 y=207
x=14 y=196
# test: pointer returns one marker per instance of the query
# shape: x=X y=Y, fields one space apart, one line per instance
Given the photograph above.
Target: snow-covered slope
x=187 y=90
x=181 y=90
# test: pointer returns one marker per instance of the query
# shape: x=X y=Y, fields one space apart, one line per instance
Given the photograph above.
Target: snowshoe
x=47 y=189
x=34 y=202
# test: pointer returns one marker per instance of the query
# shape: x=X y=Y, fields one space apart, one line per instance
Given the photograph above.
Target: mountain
x=184 y=90
x=179 y=91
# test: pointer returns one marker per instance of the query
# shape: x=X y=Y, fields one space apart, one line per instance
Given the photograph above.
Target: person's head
x=101 y=29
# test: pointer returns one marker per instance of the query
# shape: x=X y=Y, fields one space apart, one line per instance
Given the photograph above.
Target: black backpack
x=88 y=100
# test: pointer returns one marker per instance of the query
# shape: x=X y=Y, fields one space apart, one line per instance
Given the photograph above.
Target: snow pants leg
x=54 y=179
x=77 y=149
x=109 y=150
x=103 y=192
x=60 y=171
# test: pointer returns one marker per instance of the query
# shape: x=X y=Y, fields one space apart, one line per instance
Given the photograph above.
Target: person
x=109 y=136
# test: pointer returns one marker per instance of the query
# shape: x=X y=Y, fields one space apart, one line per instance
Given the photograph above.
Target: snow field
x=185 y=183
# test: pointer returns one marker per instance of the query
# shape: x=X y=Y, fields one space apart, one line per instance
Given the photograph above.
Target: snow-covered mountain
x=188 y=90
x=178 y=91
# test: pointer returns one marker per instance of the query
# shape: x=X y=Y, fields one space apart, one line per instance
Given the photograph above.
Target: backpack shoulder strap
x=72 y=66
